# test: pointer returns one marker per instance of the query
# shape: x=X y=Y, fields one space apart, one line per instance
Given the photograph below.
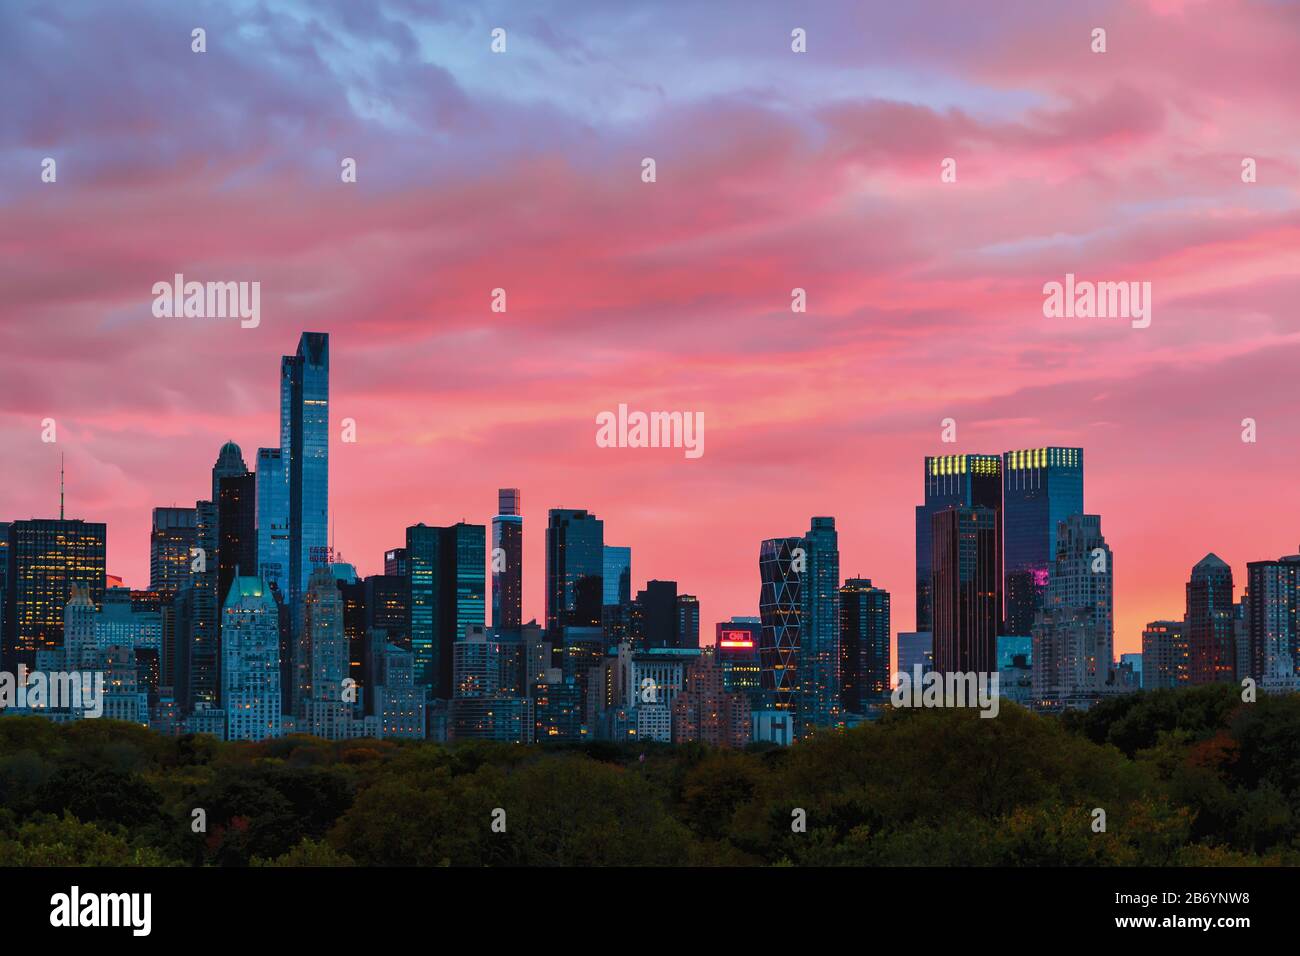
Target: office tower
x=236 y=523
x=688 y=621
x=250 y=661
x=864 y=645
x=780 y=565
x=446 y=596
x=1164 y=655
x=124 y=699
x=304 y=387
x=272 y=494
x=80 y=642
x=575 y=570
x=507 y=561
x=1272 y=657
x=352 y=595
x=617 y=575
x=915 y=649
x=655 y=617
x=200 y=658
x=1073 y=633
x=557 y=709
x=1211 y=647
x=819 y=652
x=737 y=643
x=704 y=711
x=967 y=590
x=386 y=607
x=321 y=661
x=951 y=481
x=173 y=535
x=46 y=557
x=1041 y=488
x=397 y=563
x=657 y=677
x=476 y=665
x=396 y=699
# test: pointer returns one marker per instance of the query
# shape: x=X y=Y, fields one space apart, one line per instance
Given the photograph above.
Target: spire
x=60 y=486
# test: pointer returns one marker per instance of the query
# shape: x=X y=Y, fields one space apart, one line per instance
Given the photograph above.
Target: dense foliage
x=1188 y=777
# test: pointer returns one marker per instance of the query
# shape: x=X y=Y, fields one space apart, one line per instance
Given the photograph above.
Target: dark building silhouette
x=967 y=590
x=656 y=617
x=864 y=645
x=1208 y=627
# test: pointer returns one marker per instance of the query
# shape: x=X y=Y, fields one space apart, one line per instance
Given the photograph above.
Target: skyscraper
x=656 y=617
x=1073 y=634
x=447 y=584
x=508 y=557
x=1164 y=655
x=951 y=481
x=321 y=660
x=250 y=661
x=967 y=590
x=688 y=621
x=1211 y=648
x=819 y=651
x=306 y=375
x=737 y=642
x=170 y=541
x=235 y=495
x=1041 y=488
x=781 y=564
x=575 y=570
x=1273 y=593
x=46 y=557
x=864 y=645
x=272 y=517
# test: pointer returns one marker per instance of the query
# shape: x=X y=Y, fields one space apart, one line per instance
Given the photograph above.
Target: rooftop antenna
x=60 y=486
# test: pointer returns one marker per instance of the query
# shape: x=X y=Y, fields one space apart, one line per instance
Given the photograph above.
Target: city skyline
x=776 y=171
x=534 y=577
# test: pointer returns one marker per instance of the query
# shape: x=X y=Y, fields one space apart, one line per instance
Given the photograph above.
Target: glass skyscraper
x=575 y=570
x=1041 y=488
x=447 y=596
x=1209 y=632
x=951 y=481
x=308 y=374
x=508 y=554
x=618 y=575
x=174 y=533
x=272 y=517
x=780 y=607
x=819 y=651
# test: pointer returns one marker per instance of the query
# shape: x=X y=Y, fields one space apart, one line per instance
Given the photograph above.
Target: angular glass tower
x=1041 y=488
x=951 y=481
x=780 y=608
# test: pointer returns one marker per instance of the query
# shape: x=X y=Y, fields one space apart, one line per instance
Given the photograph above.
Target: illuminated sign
x=735 y=639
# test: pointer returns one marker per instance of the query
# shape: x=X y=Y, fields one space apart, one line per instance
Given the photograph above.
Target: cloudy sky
x=775 y=170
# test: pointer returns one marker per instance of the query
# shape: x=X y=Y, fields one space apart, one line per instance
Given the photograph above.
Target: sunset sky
x=775 y=170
